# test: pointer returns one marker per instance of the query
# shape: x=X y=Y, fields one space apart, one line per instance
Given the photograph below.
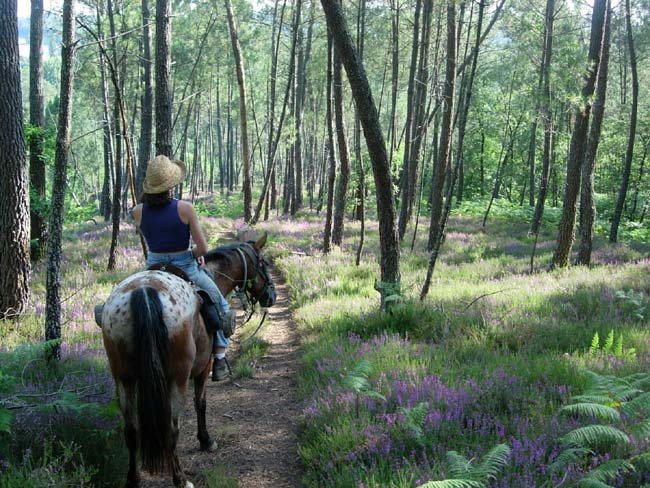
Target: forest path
x=253 y=420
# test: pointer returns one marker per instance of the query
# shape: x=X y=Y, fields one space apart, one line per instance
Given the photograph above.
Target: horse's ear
x=261 y=242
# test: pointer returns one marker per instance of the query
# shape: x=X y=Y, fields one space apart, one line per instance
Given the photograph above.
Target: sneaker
x=220 y=370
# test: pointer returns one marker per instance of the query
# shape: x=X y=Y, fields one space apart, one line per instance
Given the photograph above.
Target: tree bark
x=270 y=175
x=14 y=192
x=545 y=114
x=163 y=97
x=53 y=279
x=388 y=238
x=629 y=152
x=587 y=205
x=445 y=130
x=37 y=120
x=146 y=109
x=344 y=154
x=243 y=120
x=566 y=231
x=331 y=147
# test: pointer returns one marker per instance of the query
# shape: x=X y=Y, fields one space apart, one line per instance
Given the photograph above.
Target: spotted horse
x=156 y=341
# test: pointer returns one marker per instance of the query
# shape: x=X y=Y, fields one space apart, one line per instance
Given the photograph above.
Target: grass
x=487 y=358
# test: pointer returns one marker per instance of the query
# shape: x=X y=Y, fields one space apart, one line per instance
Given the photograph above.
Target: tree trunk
x=629 y=153
x=578 y=141
x=331 y=151
x=163 y=78
x=388 y=238
x=146 y=120
x=270 y=175
x=243 y=120
x=53 y=279
x=546 y=117
x=445 y=130
x=14 y=184
x=394 y=74
x=587 y=206
x=344 y=154
x=37 y=120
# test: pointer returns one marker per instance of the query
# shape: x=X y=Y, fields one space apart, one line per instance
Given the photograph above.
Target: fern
x=492 y=463
x=468 y=476
x=595 y=344
x=568 y=456
x=592 y=483
x=596 y=410
x=609 y=470
x=5 y=420
x=595 y=436
x=459 y=465
x=452 y=483
x=608 y=347
x=639 y=406
x=415 y=417
x=641 y=431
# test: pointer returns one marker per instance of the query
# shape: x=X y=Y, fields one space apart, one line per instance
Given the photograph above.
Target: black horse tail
x=152 y=359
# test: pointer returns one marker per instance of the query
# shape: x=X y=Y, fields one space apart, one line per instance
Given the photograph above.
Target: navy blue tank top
x=163 y=229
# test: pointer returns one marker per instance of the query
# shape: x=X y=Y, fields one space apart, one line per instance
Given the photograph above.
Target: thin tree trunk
x=243 y=119
x=146 y=118
x=344 y=154
x=587 y=206
x=629 y=153
x=389 y=286
x=270 y=177
x=566 y=231
x=54 y=257
x=331 y=154
x=446 y=132
x=546 y=117
x=163 y=99
x=38 y=203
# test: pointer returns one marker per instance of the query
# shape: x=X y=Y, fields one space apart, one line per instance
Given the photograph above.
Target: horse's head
x=259 y=283
x=244 y=266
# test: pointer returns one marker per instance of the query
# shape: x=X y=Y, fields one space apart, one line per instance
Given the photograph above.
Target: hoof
x=188 y=485
x=208 y=446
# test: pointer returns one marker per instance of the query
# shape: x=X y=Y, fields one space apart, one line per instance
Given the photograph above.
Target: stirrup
x=228 y=323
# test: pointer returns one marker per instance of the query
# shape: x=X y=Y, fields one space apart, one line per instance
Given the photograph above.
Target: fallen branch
x=485 y=295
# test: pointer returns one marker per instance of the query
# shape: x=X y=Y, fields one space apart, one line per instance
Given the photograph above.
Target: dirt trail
x=253 y=420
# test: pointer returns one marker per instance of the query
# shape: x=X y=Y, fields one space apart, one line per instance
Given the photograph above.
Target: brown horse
x=156 y=342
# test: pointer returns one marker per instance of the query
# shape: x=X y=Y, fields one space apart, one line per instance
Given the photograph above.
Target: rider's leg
x=219 y=366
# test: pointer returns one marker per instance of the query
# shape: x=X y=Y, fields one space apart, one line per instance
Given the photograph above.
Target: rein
x=243 y=292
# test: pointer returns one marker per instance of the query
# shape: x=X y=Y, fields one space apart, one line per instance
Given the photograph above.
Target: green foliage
x=632 y=302
x=605 y=398
x=613 y=346
x=51 y=470
x=469 y=476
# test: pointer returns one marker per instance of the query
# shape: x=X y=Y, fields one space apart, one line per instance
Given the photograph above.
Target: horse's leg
x=206 y=443
x=126 y=394
x=177 y=396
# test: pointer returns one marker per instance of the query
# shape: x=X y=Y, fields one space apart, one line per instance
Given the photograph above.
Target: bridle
x=244 y=291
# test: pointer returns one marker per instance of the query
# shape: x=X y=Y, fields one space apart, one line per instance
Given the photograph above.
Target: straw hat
x=163 y=174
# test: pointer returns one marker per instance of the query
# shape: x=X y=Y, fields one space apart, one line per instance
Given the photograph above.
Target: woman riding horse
x=167 y=225
x=156 y=339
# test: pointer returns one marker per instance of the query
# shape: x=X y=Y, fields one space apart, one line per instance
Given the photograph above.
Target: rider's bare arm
x=136 y=212
x=188 y=215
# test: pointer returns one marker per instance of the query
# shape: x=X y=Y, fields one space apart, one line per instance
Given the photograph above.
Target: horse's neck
x=225 y=277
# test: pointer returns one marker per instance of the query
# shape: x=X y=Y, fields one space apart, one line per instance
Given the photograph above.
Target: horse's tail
x=151 y=356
